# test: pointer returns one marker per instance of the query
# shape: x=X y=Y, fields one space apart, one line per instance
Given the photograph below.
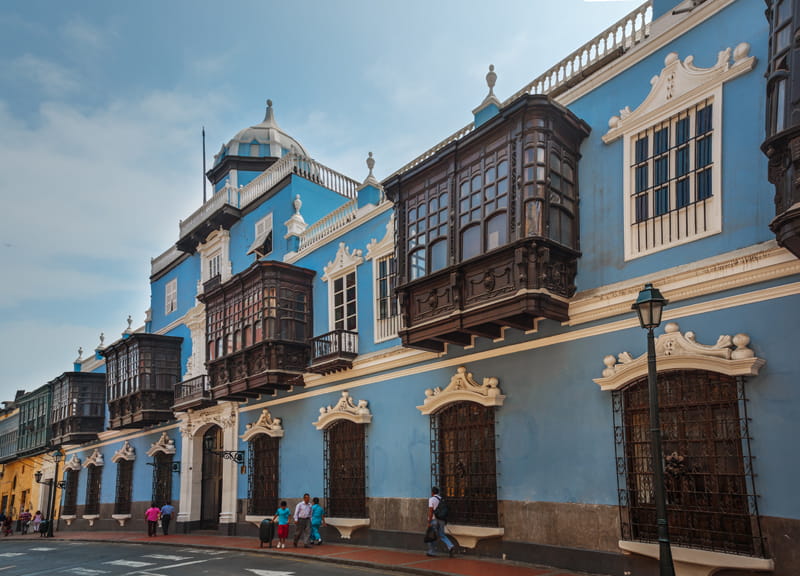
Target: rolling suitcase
x=266 y=532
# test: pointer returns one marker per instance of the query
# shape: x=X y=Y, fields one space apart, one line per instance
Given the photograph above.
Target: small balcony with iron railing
x=333 y=351
x=194 y=393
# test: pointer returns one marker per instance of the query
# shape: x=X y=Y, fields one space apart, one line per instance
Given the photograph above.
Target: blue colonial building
x=466 y=322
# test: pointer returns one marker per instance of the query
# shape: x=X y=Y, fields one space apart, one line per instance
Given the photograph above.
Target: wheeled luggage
x=266 y=532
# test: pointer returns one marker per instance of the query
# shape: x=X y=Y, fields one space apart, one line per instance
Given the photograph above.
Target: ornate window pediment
x=265 y=424
x=164 y=444
x=345 y=409
x=96 y=459
x=462 y=388
x=127 y=452
x=677 y=350
x=678 y=85
x=345 y=261
x=73 y=463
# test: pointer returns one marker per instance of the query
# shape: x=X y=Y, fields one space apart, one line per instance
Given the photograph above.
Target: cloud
x=80 y=34
x=50 y=78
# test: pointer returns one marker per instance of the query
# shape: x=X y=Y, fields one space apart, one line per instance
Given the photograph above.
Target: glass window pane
x=470 y=242
x=438 y=255
x=496 y=231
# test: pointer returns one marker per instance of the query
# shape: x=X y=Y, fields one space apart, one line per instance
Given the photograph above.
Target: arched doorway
x=211 y=501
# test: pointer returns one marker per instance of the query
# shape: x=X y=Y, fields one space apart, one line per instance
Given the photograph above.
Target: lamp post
x=649 y=306
x=56 y=457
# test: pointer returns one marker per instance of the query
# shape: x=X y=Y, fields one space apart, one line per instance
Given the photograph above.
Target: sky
x=102 y=105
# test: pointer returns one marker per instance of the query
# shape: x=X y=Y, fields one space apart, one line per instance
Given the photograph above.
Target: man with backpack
x=437 y=519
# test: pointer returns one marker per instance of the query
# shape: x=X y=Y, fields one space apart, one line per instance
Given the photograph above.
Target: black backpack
x=441 y=510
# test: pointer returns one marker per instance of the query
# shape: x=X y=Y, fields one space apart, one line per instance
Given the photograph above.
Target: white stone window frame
x=345 y=262
x=269 y=426
x=215 y=257
x=127 y=453
x=678 y=88
x=171 y=296
x=464 y=388
x=263 y=229
x=676 y=350
x=358 y=413
x=377 y=251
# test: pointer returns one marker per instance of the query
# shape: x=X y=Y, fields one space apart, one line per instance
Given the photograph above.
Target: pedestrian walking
x=167 y=511
x=317 y=520
x=25 y=520
x=37 y=520
x=437 y=519
x=302 y=520
x=152 y=515
x=282 y=517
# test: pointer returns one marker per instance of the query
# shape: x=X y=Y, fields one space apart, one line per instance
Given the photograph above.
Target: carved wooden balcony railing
x=193 y=393
x=147 y=406
x=511 y=286
x=259 y=369
x=333 y=351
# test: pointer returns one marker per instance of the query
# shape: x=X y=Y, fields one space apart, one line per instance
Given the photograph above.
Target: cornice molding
x=745 y=267
x=164 y=444
x=126 y=452
x=345 y=409
x=679 y=351
x=265 y=424
x=462 y=388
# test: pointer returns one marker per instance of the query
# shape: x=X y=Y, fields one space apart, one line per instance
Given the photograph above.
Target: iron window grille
x=122 y=503
x=464 y=462
x=345 y=470
x=93 y=490
x=162 y=478
x=262 y=480
x=71 y=494
x=708 y=466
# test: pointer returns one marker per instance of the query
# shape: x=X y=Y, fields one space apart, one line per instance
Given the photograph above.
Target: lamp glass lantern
x=649 y=306
x=38 y=476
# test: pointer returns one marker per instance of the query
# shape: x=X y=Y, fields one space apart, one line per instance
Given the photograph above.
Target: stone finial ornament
x=102 y=341
x=297 y=203
x=80 y=355
x=491 y=79
x=370 y=165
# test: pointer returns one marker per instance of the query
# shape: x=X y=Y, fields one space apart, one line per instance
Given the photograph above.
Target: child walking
x=282 y=516
x=317 y=520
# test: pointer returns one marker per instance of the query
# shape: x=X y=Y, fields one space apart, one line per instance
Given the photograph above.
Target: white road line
x=130 y=563
x=167 y=557
x=7 y=567
x=182 y=564
x=11 y=554
x=43 y=549
x=86 y=571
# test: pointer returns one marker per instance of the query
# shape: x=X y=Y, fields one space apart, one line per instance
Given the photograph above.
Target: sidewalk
x=369 y=557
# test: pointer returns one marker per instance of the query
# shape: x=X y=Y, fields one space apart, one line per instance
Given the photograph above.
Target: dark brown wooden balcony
x=511 y=286
x=222 y=210
x=193 y=393
x=141 y=371
x=260 y=369
x=78 y=407
x=333 y=351
x=784 y=161
x=257 y=329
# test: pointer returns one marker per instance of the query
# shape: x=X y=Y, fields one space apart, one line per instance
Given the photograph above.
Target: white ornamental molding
x=265 y=424
x=377 y=249
x=223 y=415
x=96 y=459
x=462 y=388
x=345 y=409
x=678 y=351
x=165 y=444
x=343 y=263
x=678 y=86
x=127 y=452
x=74 y=463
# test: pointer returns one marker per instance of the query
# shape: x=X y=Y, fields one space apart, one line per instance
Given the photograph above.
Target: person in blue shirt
x=167 y=512
x=282 y=516
x=317 y=520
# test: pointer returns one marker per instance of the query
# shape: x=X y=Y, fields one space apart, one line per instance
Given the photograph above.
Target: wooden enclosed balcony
x=511 y=286
x=333 y=351
x=193 y=393
x=78 y=408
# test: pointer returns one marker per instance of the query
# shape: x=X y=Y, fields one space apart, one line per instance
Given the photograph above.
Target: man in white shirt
x=438 y=524
x=302 y=520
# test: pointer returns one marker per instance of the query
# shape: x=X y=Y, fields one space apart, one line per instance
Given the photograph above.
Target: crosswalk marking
x=86 y=571
x=129 y=563
x=43 y=549
x=167 y=557
x=11 y=554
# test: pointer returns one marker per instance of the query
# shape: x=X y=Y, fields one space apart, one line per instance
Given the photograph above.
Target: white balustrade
x=329 y=224
x=623 y=35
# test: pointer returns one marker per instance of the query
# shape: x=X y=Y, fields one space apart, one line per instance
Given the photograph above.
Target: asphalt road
x=27 y=558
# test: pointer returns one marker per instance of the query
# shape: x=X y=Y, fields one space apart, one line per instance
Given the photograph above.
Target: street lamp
x=56 y=457
x=649 y=306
